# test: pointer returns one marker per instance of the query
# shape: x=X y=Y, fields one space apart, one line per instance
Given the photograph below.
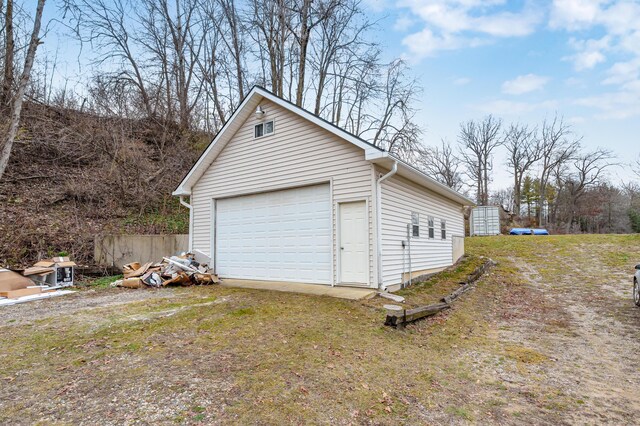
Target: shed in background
x=484 y=220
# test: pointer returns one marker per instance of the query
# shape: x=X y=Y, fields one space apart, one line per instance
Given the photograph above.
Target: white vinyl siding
x=400 y=198
x=299 y=153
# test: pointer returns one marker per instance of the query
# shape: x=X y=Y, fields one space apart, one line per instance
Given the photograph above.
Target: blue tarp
x=528 y=231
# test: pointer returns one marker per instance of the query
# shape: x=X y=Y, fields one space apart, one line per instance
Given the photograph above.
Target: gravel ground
x=81 y=300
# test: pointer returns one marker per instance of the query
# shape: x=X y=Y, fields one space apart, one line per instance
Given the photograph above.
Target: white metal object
x=276 y=236
x=409 y=236
x=392 y=172
x=31 y=297
x=484 y=220
x=180 y=265
x=187 y=205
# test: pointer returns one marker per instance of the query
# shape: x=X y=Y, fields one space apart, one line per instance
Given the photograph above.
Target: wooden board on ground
x=405 y=316
x=14 y=294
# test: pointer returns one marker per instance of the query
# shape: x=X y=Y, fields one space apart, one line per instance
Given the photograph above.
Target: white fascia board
x=368 y=148
x=415 y=175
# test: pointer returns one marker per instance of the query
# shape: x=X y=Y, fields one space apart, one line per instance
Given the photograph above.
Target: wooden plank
x=405 y=316
x=470 y=281
x=14 y=294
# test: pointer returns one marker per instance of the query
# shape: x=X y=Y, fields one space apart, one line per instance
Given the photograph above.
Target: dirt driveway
x=549 y=336
x=574 y=314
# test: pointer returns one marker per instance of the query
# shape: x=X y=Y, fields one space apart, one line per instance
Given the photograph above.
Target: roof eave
x=204 y=161
x=415 y=175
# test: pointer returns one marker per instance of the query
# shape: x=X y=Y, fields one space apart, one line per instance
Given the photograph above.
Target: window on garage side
x=443 y=229
x=431 y=227
x=263 y=129
x=415 y=224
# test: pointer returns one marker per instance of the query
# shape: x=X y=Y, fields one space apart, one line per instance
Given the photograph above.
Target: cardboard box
x=63 y=271
x=10 y=281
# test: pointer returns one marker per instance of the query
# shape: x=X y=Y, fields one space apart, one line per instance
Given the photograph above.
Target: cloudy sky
x=523 y=61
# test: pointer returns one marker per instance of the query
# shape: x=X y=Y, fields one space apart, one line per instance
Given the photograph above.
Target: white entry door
x=354 y=243
x=276 y=236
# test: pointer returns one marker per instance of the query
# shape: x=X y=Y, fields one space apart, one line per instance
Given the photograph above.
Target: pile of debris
x=42 y=280
x=181 y=270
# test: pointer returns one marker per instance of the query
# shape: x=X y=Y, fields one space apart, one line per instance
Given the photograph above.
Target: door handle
x=341 y=248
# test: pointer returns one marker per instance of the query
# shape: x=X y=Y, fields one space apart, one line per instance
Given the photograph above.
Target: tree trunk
x=7 y=83
x=22 y=86
x=304 y=43
x=517 y=185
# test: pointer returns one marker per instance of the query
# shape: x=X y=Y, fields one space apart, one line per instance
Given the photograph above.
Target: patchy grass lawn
x=526 y=346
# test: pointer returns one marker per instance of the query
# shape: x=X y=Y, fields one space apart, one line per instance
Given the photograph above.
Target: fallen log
x=400 y=318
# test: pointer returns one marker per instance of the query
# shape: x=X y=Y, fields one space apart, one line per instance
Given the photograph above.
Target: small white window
x=415 y=224
x=263 y=129
x=443 y=229
x=431 y=228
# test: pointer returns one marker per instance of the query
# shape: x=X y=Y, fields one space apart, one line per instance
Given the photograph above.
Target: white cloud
x=614 y=105
x=403 y=23
x=589 y=52
x=426 y=43
x=574 y=14
x=507 y=107
x=524 y=84
x=456 y=24
x=619 y=21
x=623 y=72
x=587 y=60
x=461 y=81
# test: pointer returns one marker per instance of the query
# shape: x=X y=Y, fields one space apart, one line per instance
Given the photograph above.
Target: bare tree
x=271 y=19
x=309 y=14
x=478 y=142
x=235 y=43
x=393 y=128
x=588 y=170
x=523 y=148
x=442 y=163
x=18 y=97
x=555 y=150
x=340 y=36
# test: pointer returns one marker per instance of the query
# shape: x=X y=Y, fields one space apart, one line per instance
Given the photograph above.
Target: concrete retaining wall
x=118 y=250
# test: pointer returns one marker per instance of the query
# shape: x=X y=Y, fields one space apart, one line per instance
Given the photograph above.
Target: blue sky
x=523 y=61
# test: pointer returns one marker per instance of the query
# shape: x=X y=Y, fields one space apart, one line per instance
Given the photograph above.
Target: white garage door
x=278 y=236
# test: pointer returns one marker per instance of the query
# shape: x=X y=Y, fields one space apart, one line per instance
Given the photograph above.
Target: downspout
x=187 y=205
x=381 y=179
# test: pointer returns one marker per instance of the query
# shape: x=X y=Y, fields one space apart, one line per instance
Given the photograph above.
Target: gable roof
x=372 y=153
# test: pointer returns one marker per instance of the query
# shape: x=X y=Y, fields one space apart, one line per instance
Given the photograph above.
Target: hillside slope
x=74 y=175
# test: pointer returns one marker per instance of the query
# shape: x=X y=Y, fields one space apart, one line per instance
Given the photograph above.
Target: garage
x=276 y=236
